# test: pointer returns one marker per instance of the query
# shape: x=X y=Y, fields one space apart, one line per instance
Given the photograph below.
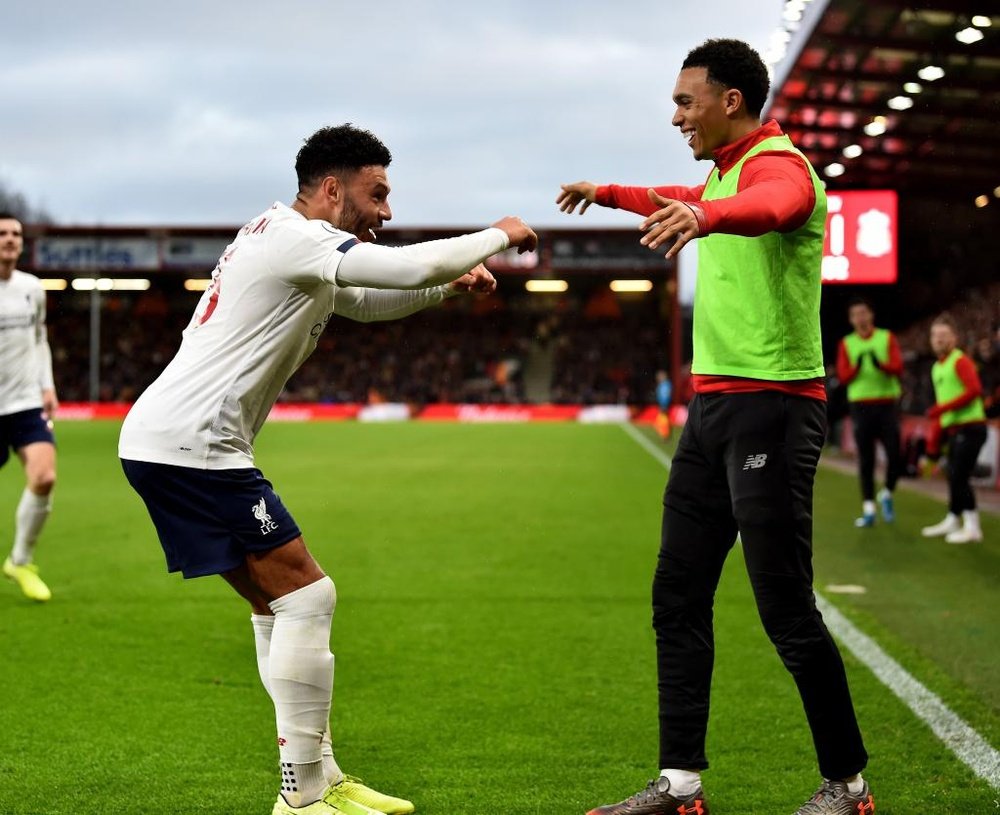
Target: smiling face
x=11 y=244
x=365 y=204
x=704 y=111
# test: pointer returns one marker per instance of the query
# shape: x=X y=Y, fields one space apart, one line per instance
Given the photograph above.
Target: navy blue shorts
x=208 y=520
x=22 y=428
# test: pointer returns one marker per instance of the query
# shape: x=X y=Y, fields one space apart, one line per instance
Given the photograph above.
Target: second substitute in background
x=960 y=422
x=869 y=363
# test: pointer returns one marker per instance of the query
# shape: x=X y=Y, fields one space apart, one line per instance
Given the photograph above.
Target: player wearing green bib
x=747 y=456
x=869 y=363
x=960 y=420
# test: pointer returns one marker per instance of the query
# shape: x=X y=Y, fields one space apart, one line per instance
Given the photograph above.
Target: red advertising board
x=860 y=242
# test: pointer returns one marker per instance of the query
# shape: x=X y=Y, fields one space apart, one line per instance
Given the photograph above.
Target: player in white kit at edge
x=27 y=404
x=187 y=444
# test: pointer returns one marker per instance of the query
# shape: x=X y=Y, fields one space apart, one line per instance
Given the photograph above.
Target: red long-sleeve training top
x=847 y=372
x=775 y=194
x=967 y=373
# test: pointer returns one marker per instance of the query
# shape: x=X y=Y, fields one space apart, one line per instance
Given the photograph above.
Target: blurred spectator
x=601 y=359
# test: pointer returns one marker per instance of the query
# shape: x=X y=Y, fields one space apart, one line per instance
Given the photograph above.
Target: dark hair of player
x=860 y=301
x=733 y=64
x=338 y=150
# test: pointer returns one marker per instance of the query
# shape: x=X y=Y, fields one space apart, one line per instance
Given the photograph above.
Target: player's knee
x=42 y=482
x=676 y=603
x=318 y=599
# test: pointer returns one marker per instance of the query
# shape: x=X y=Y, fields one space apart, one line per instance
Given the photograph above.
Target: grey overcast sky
x=191 y=113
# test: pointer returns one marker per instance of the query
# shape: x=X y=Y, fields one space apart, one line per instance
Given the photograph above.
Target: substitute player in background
x=960 y=422
x=746 y=460
x=27 y=404
x=869 y=362
x=187 y=444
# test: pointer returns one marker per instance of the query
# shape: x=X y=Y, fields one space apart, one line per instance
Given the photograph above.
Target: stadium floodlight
x=834 y=170
x=107 y=284
x=546 y=286
x=129 y=284
x=631 y=285
x=996 y=191
x=53 y=283
x=969 y=35
x=982 y=200
x=931 y=73
x=900 y=103
x=982 y=21
x=876 y=127
x=853 y=151
x=912 y=87
x=197 y=283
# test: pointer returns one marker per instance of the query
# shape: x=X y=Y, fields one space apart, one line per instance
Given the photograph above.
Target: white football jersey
x=271 y=295
x=25 y=359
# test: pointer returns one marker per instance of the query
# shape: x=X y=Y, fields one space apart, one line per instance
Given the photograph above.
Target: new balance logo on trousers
x=755 y=461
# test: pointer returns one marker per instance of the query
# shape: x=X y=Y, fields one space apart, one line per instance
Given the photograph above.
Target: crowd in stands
x=469 y=351
x=466 y=351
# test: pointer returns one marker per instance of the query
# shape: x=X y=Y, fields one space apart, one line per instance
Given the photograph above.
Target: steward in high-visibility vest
x=869 y=363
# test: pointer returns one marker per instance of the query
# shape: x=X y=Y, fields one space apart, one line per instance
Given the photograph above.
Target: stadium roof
x=926 y=71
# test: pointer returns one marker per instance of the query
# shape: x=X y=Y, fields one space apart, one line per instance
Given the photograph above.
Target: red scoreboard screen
x=860 y=241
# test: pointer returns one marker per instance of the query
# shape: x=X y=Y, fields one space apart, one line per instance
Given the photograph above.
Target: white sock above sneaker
x=263 y=627
x=300 y=674
x=682 y=782
x=856 y=785
x=868 y=507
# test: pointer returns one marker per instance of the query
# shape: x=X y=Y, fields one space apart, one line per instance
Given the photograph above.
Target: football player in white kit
x=187 y=444
x=27 y=404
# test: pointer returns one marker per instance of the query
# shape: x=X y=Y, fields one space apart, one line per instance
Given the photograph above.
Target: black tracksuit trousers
x=745 y=464
x=876 y=422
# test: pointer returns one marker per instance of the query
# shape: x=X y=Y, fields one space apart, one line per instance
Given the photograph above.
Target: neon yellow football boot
x=27 y=578
x=354 y=791
x=330 y=804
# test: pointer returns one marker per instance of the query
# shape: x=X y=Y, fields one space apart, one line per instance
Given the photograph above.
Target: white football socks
x=263 y=625
x=300 y=681
x=32 y=512
x=682 y=782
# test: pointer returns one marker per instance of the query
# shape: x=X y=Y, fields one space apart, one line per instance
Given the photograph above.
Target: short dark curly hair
x=733 y=64
x=335 y=150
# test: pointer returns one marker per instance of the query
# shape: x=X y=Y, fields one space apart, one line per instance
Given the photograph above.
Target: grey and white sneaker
x=656 y=799
x=833 y=798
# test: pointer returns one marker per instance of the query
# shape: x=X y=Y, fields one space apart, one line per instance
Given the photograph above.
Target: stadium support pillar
x=95 y=345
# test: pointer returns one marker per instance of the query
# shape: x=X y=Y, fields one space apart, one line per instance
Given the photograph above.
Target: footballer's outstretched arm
x=368 y=305
x=432 y=263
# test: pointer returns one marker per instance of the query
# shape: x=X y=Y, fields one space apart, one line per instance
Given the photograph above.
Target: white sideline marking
x=643 y=441
x=971 y=748
x=959 y=737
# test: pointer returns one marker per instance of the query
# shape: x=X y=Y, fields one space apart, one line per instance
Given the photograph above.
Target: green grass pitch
x=492 y=634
